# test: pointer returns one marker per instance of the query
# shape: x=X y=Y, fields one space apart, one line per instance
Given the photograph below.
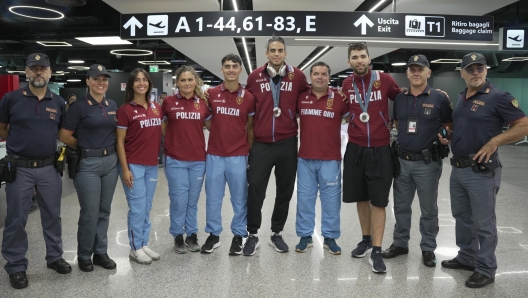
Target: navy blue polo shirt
x=93 y=123
x=431 y=108
x=478 y=119
x=33 y=124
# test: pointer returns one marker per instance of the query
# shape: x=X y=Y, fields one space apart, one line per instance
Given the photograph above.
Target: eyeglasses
x=471 y=70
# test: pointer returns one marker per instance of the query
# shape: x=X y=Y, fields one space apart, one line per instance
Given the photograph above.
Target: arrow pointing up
x=132 y=23
x=363 y=21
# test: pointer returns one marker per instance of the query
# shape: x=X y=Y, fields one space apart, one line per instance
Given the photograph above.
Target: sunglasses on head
x=358 y=43
x=471 y=70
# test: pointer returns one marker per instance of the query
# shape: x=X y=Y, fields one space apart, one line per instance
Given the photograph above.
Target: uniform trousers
x=416 y=176
x=139 y=199
x=48 y=184
x=95 y=184
x=313 y=176
x=473 y=199
x=218 y=171
x=185 y=179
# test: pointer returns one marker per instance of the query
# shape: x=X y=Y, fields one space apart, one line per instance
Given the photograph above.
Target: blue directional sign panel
x=306 y=23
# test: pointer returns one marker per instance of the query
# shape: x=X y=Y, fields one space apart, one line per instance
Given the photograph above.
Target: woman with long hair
x=185 y=116
x=89 y=128
x=138 y=142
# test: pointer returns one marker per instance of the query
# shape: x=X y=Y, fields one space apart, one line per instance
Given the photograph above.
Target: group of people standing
x=253 y=130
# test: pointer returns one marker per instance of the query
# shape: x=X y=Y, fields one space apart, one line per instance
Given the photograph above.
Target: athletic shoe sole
x=364 y=254
x=192 y=250
x=276 y=248
x=330 y=251
x=308 y=246
x=180 y=250
x=255 y=250
x=216 y=245
x=133 y=258
x=374 y=270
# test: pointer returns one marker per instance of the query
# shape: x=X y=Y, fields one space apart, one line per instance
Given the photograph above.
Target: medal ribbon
x=366 y=98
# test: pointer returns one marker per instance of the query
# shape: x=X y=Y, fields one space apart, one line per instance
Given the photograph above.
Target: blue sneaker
x=362 y=249
x=304 y=244
x=331 y=245
x=376 y=260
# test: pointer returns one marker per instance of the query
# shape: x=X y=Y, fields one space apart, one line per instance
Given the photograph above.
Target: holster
x=396 y=167
x=60 y=159
x=7 y=170
x=72 y=159
x=485 y=167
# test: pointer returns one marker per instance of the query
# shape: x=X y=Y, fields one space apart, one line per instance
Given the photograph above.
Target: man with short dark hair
x=368 y=168
x=419 y=113
x=478 y=118
x=275 y=86
x=320 y=110
x=231 y=137
x=31 y=146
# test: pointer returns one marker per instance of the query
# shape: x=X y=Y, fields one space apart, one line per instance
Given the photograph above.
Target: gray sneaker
x=192 y=243
x=279 y=244
x=179 y=247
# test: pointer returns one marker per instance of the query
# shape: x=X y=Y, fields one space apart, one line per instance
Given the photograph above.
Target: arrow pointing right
x=363 y=21
x=132 y=23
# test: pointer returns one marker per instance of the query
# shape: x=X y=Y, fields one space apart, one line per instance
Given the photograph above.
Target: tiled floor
x=270 y=274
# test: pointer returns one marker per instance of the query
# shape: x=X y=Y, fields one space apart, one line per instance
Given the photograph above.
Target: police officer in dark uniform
x=419 y=113
x=478 y=118
x=89 y=128
x=34 y=115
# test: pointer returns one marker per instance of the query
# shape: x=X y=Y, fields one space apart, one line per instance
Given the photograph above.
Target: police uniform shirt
x=33 y=124
x=320 y=122
x=431 y=108
x=94 y=123
x=229 y=114
x=143 y=132
x=478 y=119
x=184 y=137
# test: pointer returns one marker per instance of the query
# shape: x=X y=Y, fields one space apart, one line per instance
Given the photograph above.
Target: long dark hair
x=129 y=93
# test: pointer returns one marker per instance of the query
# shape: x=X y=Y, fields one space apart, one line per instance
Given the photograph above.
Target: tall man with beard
x=367 y=174
x=34 y=115
x=275 y=86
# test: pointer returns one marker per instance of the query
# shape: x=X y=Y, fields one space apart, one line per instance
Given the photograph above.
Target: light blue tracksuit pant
x=218 y=171
x=185 y=179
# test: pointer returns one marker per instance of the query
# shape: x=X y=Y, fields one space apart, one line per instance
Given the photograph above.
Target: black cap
x=473 y=58
x=96 y=70
x=37 y=59
x=418 y=60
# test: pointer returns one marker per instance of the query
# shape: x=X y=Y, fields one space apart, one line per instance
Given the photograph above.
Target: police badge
x=197 y=105
x=291 y=75
x=239 y=100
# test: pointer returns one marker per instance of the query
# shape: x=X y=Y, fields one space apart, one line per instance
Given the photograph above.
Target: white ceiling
x=208 y=51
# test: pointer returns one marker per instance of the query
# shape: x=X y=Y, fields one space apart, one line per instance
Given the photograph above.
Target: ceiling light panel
x=103 y=40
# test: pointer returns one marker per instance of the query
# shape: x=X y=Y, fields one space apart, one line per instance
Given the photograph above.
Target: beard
x=38 y=84
x=360 y=73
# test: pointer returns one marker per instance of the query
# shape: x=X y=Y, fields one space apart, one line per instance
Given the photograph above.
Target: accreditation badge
x=412 y=125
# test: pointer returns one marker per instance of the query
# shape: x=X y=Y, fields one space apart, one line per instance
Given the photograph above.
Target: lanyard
x=366 y=98
x=275 y=91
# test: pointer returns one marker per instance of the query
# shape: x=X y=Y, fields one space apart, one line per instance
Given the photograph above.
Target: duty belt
x=97 y=152
x=409 y=156
x=459 y=162
x=30 y=162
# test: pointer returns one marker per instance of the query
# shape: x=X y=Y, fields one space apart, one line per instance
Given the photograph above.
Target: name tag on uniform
x=412 y=125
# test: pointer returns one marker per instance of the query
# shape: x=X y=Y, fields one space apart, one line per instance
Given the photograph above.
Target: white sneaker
x=140 y=256
x=152 y=254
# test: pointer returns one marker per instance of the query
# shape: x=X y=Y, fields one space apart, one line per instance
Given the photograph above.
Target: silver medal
x=364 y=117
x=276 y=111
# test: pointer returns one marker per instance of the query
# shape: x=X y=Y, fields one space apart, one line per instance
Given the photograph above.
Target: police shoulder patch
x=515 y=103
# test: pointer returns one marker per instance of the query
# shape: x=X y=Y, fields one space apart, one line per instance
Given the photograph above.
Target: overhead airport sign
x=513 y=39
x=305 y=23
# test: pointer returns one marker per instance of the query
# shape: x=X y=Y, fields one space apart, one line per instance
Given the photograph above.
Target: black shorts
x=367 y=175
